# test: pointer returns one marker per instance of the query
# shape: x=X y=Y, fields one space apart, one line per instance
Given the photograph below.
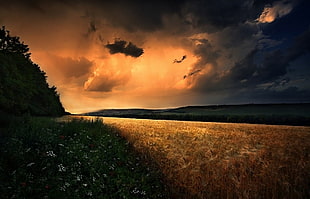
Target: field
x=89 y=158
x=41 y=158
x=224 y=160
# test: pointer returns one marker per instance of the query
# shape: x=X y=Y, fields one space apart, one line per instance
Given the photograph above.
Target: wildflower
x=30 y=164
x=89 y=193
x=51 y=154
x=79 y=177
x=135 y=191
x=143 y=192
x=61 y=168
x=69 y=152
x=23 y=184
x=85 y=185
x=91 y=145
x=62 y=137
x=47 y=186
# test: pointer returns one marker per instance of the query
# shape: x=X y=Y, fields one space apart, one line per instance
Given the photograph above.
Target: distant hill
x=288 y=114
x=23 y=85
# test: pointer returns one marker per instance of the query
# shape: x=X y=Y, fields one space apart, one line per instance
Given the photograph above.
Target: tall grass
x=41 y=158
x=218 y=160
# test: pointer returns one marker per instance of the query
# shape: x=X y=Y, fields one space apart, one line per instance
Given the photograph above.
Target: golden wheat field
x=224 y=160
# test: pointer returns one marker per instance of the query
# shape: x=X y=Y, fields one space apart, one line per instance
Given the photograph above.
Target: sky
x=159 y=54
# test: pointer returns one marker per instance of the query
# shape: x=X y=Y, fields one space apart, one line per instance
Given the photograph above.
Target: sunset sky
x=159 y=54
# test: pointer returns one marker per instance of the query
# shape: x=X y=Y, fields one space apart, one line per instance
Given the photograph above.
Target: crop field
x=224 y=160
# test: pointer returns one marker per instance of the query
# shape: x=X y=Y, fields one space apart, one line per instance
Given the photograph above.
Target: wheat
x=225 y=160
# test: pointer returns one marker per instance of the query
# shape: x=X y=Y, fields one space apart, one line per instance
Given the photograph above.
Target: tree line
x=23 y=85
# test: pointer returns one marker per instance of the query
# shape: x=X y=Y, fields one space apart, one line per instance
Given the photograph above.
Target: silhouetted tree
x=12 y=44
x=23 y=85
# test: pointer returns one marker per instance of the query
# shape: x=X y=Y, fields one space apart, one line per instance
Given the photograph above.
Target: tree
x=12 y=44
x=23 y=85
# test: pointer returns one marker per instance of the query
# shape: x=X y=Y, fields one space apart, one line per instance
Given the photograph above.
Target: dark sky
x=116 y=54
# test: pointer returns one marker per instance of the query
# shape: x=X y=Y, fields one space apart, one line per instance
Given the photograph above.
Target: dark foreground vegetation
x=41 y=158
x=23 y=85
x=279 y=114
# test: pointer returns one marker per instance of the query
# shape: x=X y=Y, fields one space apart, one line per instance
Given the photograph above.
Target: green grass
x=41 y=158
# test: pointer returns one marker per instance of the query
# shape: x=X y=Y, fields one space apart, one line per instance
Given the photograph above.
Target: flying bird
x=191 y=74
x=179 y=61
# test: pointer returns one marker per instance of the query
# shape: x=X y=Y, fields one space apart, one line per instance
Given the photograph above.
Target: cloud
x=71 y=67
x=232 y=49
x=121 y=46
x=258 y=74
x=291 y=94
x=277 y=10
x=105 y=82
x=133 y=16
x=212 y=16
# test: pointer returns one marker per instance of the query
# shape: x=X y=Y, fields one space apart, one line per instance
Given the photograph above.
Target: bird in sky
x=179 y=61
x=191 y=74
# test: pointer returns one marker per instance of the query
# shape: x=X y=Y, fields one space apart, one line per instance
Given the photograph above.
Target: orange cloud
x=277 y=10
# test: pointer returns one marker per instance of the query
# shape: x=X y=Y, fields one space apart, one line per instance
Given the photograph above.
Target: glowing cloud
x=277 y=10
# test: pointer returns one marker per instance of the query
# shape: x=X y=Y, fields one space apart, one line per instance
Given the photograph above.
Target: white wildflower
x=30 y=164
x=89 y=193
x=61 y=168
x=79 y=177
x=135 y=191
x=143 y=193
x=50 y=154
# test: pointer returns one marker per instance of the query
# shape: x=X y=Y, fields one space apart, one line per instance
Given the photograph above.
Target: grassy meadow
x=224 y=160
x=85 y=157
x=41 y=158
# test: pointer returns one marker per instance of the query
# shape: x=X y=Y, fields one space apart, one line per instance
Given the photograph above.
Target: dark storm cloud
x=208 y=15
x=206 y=53
x=148 y=16
x=216 y=15
x=135 y=15
x=261 y=74
x=292 y=94
x=121 y=46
